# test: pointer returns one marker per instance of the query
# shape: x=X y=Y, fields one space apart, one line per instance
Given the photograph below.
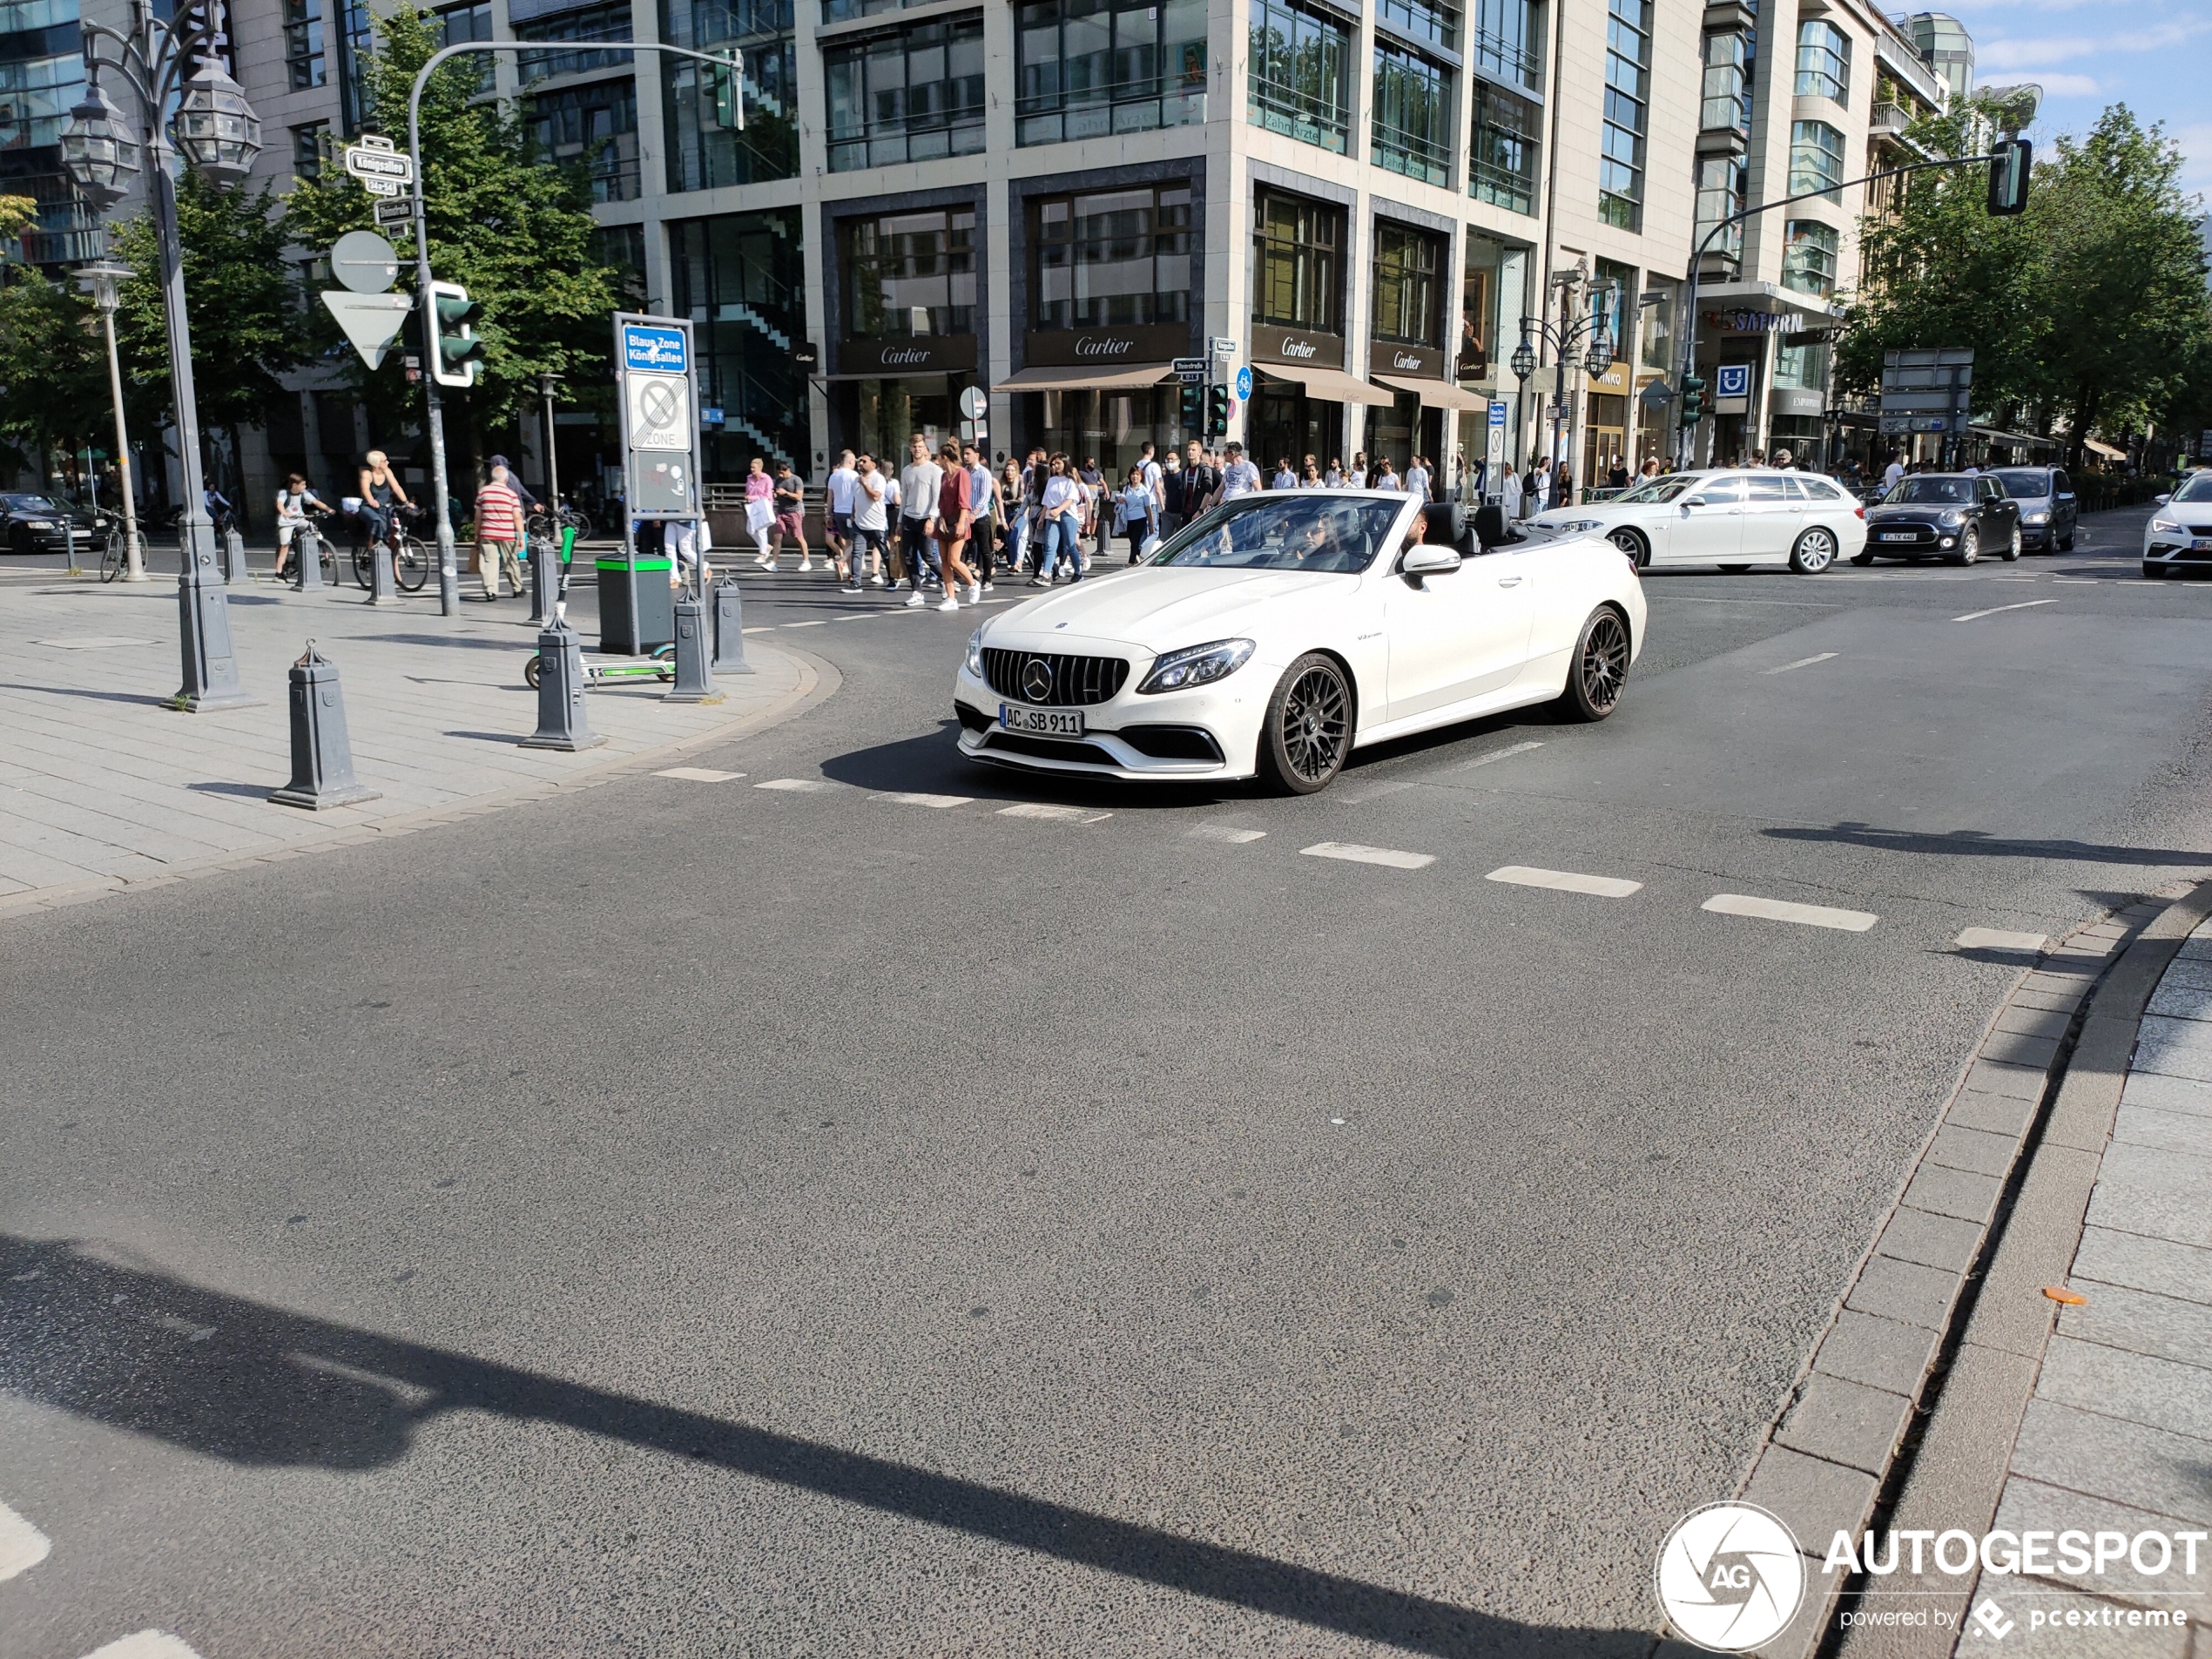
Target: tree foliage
x=502 y=221
x=18 y=214
x=53 y=371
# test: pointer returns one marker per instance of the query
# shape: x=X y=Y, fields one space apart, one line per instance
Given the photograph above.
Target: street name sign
x=380 y=167
x=392 y=212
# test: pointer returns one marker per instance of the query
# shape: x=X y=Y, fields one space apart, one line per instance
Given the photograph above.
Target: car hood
x=1158 y=608
x=1931 y=510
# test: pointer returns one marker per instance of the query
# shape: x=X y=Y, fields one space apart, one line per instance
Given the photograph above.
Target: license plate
x=2200 y=544
x=1041 y=723
x=1899 y=536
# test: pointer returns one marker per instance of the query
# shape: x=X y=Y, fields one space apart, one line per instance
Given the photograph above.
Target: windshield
x=2196 y=487
x=31 y=503
x=1656 y=490
x=1301 y=532
x=1950 y=492
x=2026 y=486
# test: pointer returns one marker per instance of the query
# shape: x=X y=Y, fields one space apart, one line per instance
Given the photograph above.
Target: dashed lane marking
x=761 y=631
x=698 y=774
x=1805 y=662
x=818 y=622
x=1500 y=754
x=2025 y=604
x=1046 y=809
x=1602 y=887
x=917 y=798
x=1352 y=851
x=146 y=1644
x=1998 y=939
x=810 y=785
x=1805 y=915
x=22 y=1545
x=1229 y=833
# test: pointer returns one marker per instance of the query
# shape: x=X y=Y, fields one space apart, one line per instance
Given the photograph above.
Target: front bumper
x=52 y=540
x=2166 y=554
x=1211 y=731
x=1924 y=542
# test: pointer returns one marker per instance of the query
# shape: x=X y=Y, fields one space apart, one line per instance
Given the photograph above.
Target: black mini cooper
x=1943 y=515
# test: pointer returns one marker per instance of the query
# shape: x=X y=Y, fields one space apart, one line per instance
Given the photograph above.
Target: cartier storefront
x=1298 y=398
x=1099 y=393
x=905 y=345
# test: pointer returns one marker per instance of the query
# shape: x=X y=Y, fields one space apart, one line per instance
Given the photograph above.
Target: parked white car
x=1279 y=631
x=1735 y=520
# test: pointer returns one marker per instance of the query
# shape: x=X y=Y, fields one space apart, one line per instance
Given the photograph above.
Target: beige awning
x=1333 y=385
x=2104 y=450
x=1437 y=394
x=1079 y=378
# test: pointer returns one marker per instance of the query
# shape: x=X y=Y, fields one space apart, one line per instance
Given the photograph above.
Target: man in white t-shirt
x=1892 y=473
x=1148 y=458
x=1239 y=477
x=869 y=519
x=1417 y=478
x=837 y=524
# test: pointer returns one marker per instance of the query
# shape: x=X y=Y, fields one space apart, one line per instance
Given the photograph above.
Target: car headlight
x=975 y=653
x=38 y=524
x=2167 y=526
x=1952 y=519
x=2040 y=515
x=1196 y=665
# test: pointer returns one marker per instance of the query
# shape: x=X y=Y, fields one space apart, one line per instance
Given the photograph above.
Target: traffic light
x=1217 y=411
x=1693 y=400
x=455 y=351
x=2009 y=165
x=1194 y=408
x=727 y=84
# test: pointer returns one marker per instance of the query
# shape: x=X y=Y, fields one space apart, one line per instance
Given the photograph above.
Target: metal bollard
x=728 y=630
x=541 y=580
x=234 y=568
x=561 y=724
x=694 y=680
x=383 y=586
x=323 y=757
x=306 y=550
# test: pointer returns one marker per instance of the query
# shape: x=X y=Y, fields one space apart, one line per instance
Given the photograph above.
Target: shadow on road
x=227 y=1378
x=97 y=697
x=1981 y=844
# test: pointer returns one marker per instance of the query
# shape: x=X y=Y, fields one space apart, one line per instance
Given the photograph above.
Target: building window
x=356 y=45
x=1808 y=250
x=1408 y=283
x=1301 y=74
x=303 y=59
x=1413 y=116
x=1298 y=273
x=1088 y=68
x=1628 y=91
x=909 y=276
x=741 y=279
x=1719 y=195
x=595 y=127
x=1613 y=302
x=1119 y=258
x=309 y=145
x=1823 y=62
x=1801 y=368
x=1502 y=149
x=1728 y=80
x=1815 y=157
x=1507 y=42
x=471 y=23
x=590 y=22
x=1435 y=21
x=1659 y=327
x=846 y=10
x=702 y=153
x=1490 y=295
x=906 y=95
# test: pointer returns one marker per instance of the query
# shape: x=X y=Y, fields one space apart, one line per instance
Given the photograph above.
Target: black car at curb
x=2047 y=510
x=1948 y=516
x=39 y=524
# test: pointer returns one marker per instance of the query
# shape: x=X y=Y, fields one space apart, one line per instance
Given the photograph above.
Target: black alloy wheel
x=1599 y=671
x=1309 y=726
x=1632 y=544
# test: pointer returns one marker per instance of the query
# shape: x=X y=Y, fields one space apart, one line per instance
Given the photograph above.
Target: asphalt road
x=696 y=1218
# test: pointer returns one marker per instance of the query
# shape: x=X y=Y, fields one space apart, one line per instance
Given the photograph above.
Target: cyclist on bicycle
x=382 y=499
x=218 y=509
x=293 y=503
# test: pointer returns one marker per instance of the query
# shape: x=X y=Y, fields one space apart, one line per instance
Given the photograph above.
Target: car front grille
x=1074 y=681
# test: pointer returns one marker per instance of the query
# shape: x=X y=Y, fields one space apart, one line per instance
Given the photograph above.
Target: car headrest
x=1490 y=525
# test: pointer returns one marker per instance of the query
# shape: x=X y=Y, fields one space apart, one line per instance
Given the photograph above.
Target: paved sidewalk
x=103 y=786
x=2118 y=1432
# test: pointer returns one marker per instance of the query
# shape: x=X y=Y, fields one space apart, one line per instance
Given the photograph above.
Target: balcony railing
x=1412 y=155
x=1890 y=119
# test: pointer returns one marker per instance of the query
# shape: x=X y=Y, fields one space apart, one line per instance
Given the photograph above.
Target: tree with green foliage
x=503 y=222
x=53 y=373
x=18 y=214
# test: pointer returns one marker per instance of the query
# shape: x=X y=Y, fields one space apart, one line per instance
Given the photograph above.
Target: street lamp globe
x=216 y=127
x=97 y=150
x=1523 y=361
x=1601 y=356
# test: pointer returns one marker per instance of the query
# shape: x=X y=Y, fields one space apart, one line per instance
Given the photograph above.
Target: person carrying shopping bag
x=760 y=510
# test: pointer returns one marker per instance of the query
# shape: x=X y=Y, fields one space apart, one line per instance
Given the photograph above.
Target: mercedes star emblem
x=1036 y=679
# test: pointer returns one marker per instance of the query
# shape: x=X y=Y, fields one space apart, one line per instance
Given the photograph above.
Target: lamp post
x=547 y=385
x=1590 y=333
x=100 y=280
x=216 y=133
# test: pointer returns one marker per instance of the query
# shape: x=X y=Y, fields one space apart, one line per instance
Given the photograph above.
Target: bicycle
x=410 y=558
x=576 y=519
x=115 y=555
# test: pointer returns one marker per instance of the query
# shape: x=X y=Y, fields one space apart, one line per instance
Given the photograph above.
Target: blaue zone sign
x=654 y=347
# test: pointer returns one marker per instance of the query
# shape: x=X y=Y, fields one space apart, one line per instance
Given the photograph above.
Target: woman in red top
x=955 y=512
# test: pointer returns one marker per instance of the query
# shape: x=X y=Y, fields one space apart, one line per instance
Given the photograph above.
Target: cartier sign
x=926 y=354
x=1106 y=347
x=1295 y=345
x=1422 y=362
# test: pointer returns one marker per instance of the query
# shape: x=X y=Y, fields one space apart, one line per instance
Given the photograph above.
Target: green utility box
x=636 y=608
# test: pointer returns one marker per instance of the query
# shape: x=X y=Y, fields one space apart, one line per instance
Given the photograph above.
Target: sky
x=2154 y=57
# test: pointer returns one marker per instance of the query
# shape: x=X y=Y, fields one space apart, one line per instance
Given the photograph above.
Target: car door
x=1771 y=511
x=1457 y=636
x=1708 y=523
x=2062 y=507
x=2000 y=515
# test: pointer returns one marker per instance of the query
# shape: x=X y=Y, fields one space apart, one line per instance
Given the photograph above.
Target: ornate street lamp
x=1523 y=361
x=1600 y=357
x=219 y=133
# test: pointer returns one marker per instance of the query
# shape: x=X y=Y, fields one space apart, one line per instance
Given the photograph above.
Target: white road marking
x=813 y=785
x=91 y=642
x=1355 y=854
x=761 y=631
x=1046 y=809
x=1380 y=790
x=1806 y=915
x=147 y=1644
x=698 y=774
x=916 y=798
x=1228 y=832
x=22 y=1545
x=1717 y=599
x=1804 y=662
x=1603 y=887
x=1998 y=939
x=1500 y=754
x=818 y=622
x=2025 y=604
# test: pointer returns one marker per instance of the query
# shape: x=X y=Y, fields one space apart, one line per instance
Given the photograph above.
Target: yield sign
x=371 y=320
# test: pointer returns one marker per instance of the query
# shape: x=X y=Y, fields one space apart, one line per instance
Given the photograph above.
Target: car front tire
x=1308 y=732
x=1969 y=546
x=1815 y=552
x=1638 y=552
x=1862 y=558
x=1598 y=671
x=2013 y=547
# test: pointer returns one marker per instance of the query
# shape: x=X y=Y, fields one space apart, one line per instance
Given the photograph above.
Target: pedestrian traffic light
x=455 y=353
x=1217 y=411
x=727 y=83
x=1194 y=408
x=2009 y=165
x=1693 y=400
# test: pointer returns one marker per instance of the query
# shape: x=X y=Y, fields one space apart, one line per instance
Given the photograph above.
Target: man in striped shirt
x=499 y=532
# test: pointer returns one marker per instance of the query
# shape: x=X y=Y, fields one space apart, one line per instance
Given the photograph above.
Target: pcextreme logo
x=1730 y=1577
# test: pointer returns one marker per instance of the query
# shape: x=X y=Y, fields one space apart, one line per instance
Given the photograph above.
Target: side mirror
x=2162 y=500
x=1427 y=560
x=1694 y=500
